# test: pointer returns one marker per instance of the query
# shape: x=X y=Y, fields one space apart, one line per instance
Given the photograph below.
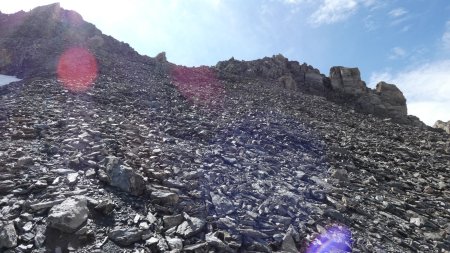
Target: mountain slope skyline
x=402 y=43
x=107 y=150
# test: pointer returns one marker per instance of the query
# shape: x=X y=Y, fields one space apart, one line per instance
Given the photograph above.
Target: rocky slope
x=239 y=157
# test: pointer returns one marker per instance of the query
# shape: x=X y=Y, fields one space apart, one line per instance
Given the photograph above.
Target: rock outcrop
x=347 y=80
x=386 y=100
x=344 y=85
x=290 y=74
x=443 y=125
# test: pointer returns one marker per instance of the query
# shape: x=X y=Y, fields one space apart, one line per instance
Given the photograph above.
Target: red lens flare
x=199 y=85
x=77 y=69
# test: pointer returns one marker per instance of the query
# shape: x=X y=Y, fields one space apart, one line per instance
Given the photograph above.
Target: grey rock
x=39 y=238
x=25 y=161
x=172 y=220
x=165 y=197
x=69 y=215
x=219 y=245
x=125 y=236
x=199 y=247
x=44 y=205
x=175 y=243
x=288 y=244
x=105 y=206
x=6 y=185
x=222 y=204
x=123 y=177
x=8 y=235
x=347 y=80
x=190 y=227
x=392 y=98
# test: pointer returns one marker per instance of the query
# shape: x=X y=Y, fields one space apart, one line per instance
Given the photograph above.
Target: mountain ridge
x=25 y=59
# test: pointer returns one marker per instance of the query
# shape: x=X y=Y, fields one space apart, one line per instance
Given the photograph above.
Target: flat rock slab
x=125 y=236
x=165 y=197
x=69 y=215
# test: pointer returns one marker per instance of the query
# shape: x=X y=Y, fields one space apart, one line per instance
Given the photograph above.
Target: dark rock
x=165 y=197
x=105 y=206
x=172 y=220
x=125 y=236
x=123 y=177
x=219 y=245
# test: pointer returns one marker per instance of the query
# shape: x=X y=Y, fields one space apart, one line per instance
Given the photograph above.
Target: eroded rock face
x=392 y=98
x=69 y=215
x=443 y=125
x=386 y=101
x=290 y=74
x=347 y=80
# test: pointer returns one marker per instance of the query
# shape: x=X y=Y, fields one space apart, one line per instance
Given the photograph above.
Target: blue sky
x=405 y=42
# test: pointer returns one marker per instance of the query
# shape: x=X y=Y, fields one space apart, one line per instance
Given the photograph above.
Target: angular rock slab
x=190 y=227
x=165 y=197
x=125 y=236
x=69 y=215
x=222 y=204
x=123 y=177
x=8 y=235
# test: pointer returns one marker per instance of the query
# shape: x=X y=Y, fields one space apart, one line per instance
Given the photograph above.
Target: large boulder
x=115 y=173
x=392 y=98
x=443 y=125
x=69 y=215
x=8 y=235
x=347 y=80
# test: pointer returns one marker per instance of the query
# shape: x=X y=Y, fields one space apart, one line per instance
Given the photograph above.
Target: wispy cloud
x=295 y=1
x=397 y=53
x=446 y=37
x=398 y=12
x=332 y=11
x=369 y=23
x=426 y=88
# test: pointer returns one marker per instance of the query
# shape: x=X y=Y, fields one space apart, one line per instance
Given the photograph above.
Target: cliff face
x=240 y=157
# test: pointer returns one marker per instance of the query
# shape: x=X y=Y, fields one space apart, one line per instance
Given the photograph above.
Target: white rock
x=69 y=215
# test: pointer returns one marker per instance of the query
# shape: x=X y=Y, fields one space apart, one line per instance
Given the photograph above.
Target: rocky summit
x=105 y=150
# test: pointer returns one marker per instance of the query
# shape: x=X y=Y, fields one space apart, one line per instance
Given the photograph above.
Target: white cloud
x=332 y=11
x=395 y=13
x=293 y=1
x=426 y=88
x=397 y=53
